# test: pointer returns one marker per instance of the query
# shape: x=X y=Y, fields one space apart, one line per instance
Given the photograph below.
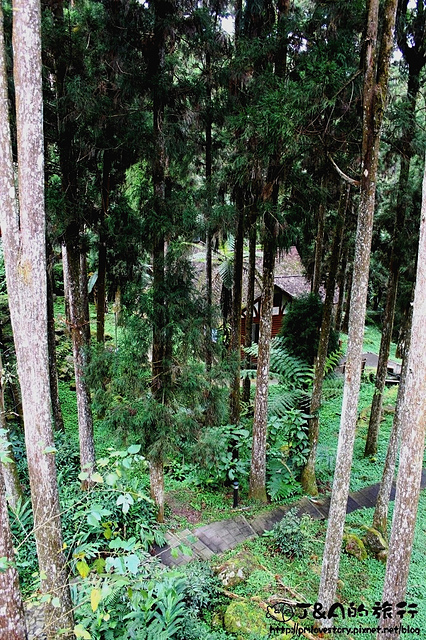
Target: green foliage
x=290 y=533
x=301 y=327
x=287 y=453
x=213 y=454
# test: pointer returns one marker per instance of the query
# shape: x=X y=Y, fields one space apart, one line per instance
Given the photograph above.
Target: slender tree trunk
x=341 y=281
x=250 y=302
x=12 y=617
x=58 y=420
x=258 y=456
x=237 y=297
x=66 y=285
x=156 y=475
x=349 y=280
x=395 y=262
x=319 y=243
x=375 y=89
x=80 y=348
x=161 y=341
x=413 y=417
x=13 y=486
x=25 y=260
x=308 y=478
x=102 y=251
x=380 y=516
x=209 y=280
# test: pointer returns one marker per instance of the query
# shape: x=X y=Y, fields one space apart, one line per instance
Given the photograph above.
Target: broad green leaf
x=83 y=475
x=50 y=450
x=80 y=632
x=134 y=448
x=95 y=598
x=96 y=477
x=132 y=563
x=56 y=603
x=111 y=479
x=83 y=568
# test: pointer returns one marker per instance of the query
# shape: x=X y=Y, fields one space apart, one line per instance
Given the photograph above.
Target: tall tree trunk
x=209 y=280
x=161 y=341
x=250 y=301
x=319 y=243
x=258 y=456
x=413 y=416
x=396 y=252
x=80 y=346
x=13 y=486
x=156 y=475
x=308 y=478
x=25 y=260
x=12 y=617
x=102 y=251
x=341 y=283
x=66 y=285
x=58 y=420
x=237 y=297
x=380 y=516
x=375 y=90
x=348 y=286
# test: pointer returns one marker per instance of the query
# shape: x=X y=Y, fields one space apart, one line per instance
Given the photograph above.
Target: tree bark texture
x=25 y=260
x=66 y=285
x=80 y=346
x=341 y=283
x=308 y=478
x=413 y=417
x=250 y=302
x=102 y=251
x=319 y=245
x=237 y=297
x=375 y=88
x=402 y=205
x=258 y=456
x=12 y=617
x=156 y=477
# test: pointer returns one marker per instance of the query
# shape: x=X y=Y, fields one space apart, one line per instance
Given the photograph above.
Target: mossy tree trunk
x=413 y=418
x=415 y=57
x=308 y=478
x=24 y=240
x=376 y=65
x=258 y=456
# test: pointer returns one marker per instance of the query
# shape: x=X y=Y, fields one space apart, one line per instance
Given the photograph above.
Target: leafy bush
x=213 y=454
x=289 y=535
x=201 y=586
x=287 y=453
x=301 y=328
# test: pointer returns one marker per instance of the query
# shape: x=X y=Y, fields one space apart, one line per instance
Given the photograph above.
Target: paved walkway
x=221 y=536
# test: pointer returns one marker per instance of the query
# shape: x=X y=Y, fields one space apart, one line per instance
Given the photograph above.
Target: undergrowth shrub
x=287 y=453
x=289 y=535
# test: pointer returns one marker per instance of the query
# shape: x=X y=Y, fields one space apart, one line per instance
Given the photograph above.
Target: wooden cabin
x=281 y=300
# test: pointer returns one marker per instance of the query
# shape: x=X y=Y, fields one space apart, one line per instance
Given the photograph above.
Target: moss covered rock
x=374 y=541
x=237 y=569
x=243 y=619
x=354 y=546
